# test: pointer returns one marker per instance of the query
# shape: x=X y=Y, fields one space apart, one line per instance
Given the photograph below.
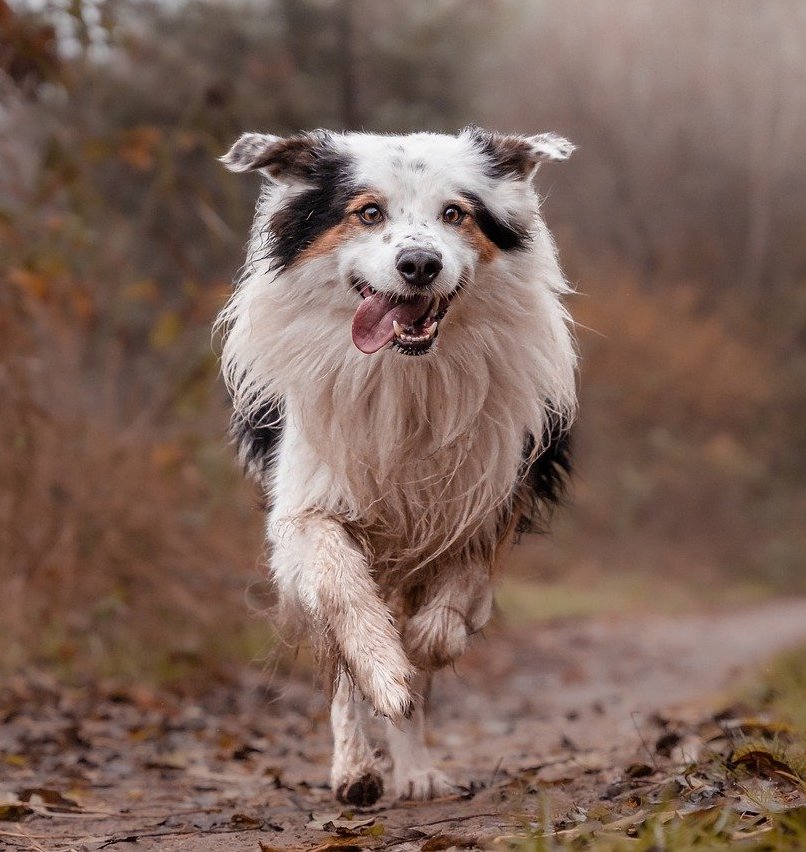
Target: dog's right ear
x=517 y=156
x=289 y=160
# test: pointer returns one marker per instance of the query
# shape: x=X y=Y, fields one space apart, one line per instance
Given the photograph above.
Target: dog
x=402 y=372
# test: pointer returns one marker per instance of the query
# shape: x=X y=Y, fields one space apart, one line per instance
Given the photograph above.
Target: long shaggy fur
x=390 y=478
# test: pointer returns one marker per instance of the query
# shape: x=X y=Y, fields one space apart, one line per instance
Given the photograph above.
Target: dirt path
x=549 y=717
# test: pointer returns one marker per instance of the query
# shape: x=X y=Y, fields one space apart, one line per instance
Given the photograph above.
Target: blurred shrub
x=118 y=524
x=683 y=440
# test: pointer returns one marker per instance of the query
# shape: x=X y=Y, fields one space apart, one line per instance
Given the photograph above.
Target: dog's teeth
x=398 y=328
x=434 y=305
x=431 y=330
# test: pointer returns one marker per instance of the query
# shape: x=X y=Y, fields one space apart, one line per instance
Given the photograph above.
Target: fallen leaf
x=340 y=823
x=318 y=820
x=14 y=812
x=377 y=830
x=764 y=795
x=51 y=799
x=625 y=822
x=638 y=770
x=349 y=828
x=246 y=822
x=760 y=759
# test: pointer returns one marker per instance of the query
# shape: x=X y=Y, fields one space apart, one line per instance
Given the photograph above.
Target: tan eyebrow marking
x=469 y=228
x=335 y=236
x=363 y=200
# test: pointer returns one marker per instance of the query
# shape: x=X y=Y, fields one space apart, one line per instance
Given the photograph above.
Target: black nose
x=419 y=267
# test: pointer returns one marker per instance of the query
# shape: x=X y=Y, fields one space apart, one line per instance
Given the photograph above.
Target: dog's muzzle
x=411 y=324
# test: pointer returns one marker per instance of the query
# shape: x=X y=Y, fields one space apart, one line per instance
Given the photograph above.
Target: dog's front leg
x=317 y=564
x=354 y=777
x=458 y=603
x=414 y=773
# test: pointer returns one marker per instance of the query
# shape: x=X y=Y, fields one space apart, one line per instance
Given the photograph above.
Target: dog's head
x=403 y=223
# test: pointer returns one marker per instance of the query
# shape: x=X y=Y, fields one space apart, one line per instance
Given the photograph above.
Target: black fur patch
x=314 y=211
x=544 y=479
x=295 y=156
x=256 y=444
x=508 y=236
x=507 y=156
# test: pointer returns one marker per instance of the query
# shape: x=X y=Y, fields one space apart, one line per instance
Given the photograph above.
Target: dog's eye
x=452 y=214
x=370 y=214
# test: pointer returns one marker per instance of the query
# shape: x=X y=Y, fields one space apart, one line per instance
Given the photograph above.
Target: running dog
x=402 y=372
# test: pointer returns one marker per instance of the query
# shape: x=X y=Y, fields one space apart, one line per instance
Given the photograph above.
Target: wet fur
x=393 y=482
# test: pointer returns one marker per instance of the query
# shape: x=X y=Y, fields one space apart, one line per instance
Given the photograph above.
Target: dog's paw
x=423 y=784
x=390 y=694
x=435 y=637
x=360 y=790
x=384 y=680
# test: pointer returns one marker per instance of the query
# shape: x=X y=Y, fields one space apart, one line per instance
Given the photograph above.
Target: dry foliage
x=120 y=524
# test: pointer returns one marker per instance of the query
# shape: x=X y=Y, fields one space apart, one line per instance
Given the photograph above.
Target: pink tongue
x=372 y=323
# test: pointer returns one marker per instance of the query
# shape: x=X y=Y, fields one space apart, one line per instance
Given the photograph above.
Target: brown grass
x=126 y=534
x=679 y=447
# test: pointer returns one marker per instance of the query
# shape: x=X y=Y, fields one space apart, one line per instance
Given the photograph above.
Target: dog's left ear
x=519 y=156
x=550 y=146
x=289 y=160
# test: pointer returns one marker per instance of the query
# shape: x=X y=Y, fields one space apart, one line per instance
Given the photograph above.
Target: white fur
x=414 y=773
x=354 y=762
x=393 y=471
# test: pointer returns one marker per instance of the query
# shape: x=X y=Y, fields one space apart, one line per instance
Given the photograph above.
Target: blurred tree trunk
x=760 y=176
x=346 y=56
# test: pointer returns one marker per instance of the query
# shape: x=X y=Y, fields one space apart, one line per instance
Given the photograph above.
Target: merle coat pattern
x=402 y=375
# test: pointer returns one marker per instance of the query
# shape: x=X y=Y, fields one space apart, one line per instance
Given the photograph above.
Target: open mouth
x=411 y=325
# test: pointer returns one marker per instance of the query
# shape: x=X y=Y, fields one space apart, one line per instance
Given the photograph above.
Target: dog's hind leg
x=316 y=563
x=354 y=777
x=414 y=773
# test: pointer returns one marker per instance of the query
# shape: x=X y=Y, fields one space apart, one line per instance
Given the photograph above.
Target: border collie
x=402 y=372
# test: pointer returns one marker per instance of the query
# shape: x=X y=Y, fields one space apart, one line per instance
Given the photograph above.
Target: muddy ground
x=552 y=721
